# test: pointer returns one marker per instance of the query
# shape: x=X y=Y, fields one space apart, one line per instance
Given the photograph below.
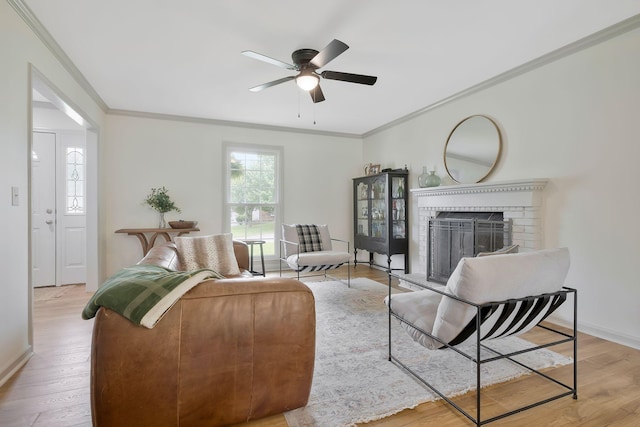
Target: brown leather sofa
x=228 y=351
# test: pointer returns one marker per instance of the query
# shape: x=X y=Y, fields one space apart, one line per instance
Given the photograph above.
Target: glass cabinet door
x=379 y=207
x=398 y=209
x=362 y=209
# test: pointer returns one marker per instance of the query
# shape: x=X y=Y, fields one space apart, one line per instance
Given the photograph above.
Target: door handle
x=49 y=211
x=49 y=221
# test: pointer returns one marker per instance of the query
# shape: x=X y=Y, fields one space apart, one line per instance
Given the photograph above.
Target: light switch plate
x=15 y=196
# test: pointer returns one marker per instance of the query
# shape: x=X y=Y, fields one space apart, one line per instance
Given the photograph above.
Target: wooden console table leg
x=152 y=242
x=165 y=233
x=143 y=242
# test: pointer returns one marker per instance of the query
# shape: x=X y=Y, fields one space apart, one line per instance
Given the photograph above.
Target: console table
x=141 y=234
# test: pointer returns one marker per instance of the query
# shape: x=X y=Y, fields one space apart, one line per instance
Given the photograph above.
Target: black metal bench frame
x=321 y=269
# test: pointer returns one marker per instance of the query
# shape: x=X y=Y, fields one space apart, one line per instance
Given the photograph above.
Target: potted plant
x=160 y=201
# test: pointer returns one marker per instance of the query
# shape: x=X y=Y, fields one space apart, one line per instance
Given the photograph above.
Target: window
x=74 y=181
x=253 y=205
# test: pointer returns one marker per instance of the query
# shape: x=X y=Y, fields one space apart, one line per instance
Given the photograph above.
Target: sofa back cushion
x=498 y=278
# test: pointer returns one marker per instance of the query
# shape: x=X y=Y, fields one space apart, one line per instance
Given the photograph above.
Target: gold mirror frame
x=473 y=149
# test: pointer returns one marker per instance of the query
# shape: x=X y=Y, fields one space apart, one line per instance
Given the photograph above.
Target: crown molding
x=610 y=32
x=32 y=21
x=584 y=43
x=229 y=123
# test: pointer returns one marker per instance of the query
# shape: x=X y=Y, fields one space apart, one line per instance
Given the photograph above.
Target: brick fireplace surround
x=519 y=200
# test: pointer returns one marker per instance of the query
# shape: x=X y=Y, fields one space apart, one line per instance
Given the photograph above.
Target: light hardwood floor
x=53 y=388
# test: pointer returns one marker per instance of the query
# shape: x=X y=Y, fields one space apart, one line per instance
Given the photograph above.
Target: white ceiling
x=183 y=57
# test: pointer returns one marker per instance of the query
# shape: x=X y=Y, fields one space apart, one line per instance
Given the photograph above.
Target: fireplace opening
x=454 y=235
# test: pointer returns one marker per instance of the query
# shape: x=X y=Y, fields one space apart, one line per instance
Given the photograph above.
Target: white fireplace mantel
x=517 y=193
x=520 y=201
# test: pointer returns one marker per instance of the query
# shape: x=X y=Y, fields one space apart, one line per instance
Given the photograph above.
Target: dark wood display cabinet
x=381 y=216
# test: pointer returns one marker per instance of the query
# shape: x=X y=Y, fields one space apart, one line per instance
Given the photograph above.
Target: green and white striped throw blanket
x=143 y=293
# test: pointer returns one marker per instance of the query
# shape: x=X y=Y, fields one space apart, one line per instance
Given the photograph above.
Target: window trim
x=227 y=148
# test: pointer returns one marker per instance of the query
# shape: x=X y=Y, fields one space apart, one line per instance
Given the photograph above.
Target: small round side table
x=251 y=243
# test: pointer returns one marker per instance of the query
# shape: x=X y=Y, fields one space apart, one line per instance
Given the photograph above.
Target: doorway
x=74 y=217
x=58 y=201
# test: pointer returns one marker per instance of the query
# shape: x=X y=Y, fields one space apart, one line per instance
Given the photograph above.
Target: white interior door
x=71 y=230
x=58 y=203
x=43 y=205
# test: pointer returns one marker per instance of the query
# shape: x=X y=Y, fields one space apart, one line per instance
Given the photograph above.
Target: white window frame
x=229 y=147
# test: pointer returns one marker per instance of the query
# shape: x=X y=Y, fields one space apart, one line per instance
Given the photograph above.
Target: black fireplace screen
x=454 y=235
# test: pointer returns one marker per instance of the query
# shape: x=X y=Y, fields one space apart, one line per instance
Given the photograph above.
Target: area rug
x=353 y=380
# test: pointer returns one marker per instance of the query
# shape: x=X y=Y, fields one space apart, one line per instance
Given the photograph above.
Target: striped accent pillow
x=498 y=278
x=309 y=238
x=512 y=317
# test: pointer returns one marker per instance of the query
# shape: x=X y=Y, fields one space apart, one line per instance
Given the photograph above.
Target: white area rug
x=353 y=380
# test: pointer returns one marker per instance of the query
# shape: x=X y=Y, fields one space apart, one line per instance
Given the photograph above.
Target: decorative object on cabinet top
x=373 y=170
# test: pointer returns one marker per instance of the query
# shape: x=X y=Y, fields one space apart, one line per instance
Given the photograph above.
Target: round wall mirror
x=472 y=149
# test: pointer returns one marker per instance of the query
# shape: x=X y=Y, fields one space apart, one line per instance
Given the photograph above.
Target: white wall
x=19 y=47
x=574 y=121
x=185 y=157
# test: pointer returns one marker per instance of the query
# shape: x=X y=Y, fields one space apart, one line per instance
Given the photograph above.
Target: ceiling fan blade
x=261 y=57
x=348 y=77
x=316 y=94
x=329 y=53
x=273 y=83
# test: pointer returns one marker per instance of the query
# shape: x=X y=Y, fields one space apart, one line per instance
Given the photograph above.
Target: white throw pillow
x=513 y=249
x=497 y=278
x=214 y=252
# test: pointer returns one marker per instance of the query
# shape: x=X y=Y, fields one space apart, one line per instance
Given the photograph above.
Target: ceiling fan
x=307 y=62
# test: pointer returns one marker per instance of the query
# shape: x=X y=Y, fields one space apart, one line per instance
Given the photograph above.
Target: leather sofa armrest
x=207 y=361
x=241 y=250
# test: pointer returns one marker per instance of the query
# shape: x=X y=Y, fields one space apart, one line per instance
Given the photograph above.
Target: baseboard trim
x=599 y=332
x=16 y=365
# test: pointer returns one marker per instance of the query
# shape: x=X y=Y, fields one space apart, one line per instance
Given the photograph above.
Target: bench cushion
x=316 y=261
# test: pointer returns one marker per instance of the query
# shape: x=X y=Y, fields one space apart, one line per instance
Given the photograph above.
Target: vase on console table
x=163 y=223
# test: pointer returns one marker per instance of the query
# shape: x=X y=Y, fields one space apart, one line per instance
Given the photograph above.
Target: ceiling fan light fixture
x=306 y=80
